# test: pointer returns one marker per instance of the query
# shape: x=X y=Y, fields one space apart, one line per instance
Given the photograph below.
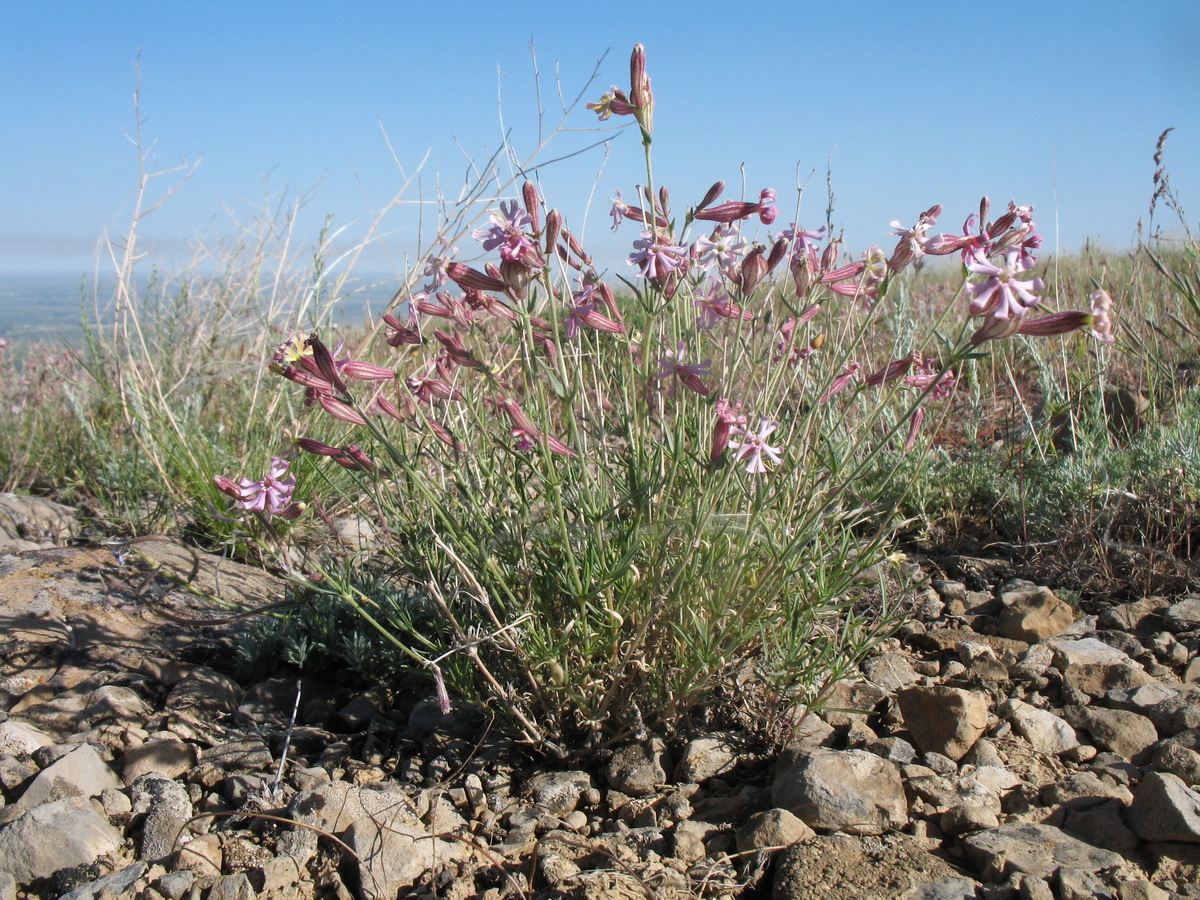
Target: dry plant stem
x=532 y=732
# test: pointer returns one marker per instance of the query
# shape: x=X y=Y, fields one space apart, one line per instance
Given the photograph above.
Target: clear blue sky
x=1054 y=104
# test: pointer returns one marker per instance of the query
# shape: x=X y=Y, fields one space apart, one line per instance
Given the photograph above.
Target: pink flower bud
x=466 y=277
x=554 y=224
x=324 y=362
x=529 y=196
x=713 y=193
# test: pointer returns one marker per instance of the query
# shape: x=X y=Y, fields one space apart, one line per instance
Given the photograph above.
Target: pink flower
x=728 y=415
x=272 y=496
x=723 y=249
x=526 y=434
x=911 y=245
x=714 y=304
x=1002 y=295
x=733 y=210
x=1102 y=328
x=753 y=446
x=671 y=364
x=840 y=382
x=506 y=234
x=584 y=312
x=398 y=334
x=656 y=258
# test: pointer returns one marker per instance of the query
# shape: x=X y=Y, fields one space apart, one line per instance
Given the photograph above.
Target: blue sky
x=910 y=104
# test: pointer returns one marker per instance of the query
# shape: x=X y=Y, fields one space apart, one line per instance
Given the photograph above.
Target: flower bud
x=754 y=269
x=554 y=224
x=778 y=252
x=516 y=276
x=713 y=193
x=529 y=195
x=466 y=277
x=325 y=364
x=639 y=90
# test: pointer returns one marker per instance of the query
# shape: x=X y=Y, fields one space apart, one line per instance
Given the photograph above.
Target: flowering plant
x=622 y=507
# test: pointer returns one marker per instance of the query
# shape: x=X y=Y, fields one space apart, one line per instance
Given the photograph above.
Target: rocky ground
x=1005 y=745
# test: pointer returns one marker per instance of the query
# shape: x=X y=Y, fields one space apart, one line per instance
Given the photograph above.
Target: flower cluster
x=272 y=496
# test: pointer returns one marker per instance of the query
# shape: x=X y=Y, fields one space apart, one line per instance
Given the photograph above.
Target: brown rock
x=942 y=639
x=943 y=719
x=1033 y=614
x=1127 y=734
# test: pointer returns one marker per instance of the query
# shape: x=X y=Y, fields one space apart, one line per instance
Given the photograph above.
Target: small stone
x=851 y=702
x=1137 y=889
x=558 y=793
x=1084 y=652
x=333 y=807
x=1033 y=615
x=943 y=719
x=852 y=791
x=170 y=758
x=1032 y=888
x=1183 y=616
x=893 y=749
x=1083 y=789
x=232 y=887
x=1128 y=734
x=1180 y=755
x=1046 y=732
x=891 y=671
x=21 y=739
x=960 y=820
x=116 y=884
x=707 y=757
x=636 y=769
x=1102 y=826
x=201 y=856
x=771 y=829
x=391 y=858
x=1165 y=809
x=206 y=691
x=175 y=884
x=1077 y=884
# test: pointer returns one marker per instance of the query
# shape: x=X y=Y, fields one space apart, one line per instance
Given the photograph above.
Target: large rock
x=1172 y=709
x=1165 y=809
x=1127 y=734
x=1031 y=849
x=80 y=773
x=1046 y=732
x=1033 y=614
x=21 y=739
x=33 y=523
x=335 y=806
x=1183 y=616
x=57 y=835
x=852 y=791
x=1096 y=680
x=1085 y=652
x=892 y=671
x=391 y=858
x=943 y=719
x=1180 y=755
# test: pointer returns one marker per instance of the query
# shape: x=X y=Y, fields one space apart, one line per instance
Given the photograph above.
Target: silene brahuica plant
x=625 y=502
